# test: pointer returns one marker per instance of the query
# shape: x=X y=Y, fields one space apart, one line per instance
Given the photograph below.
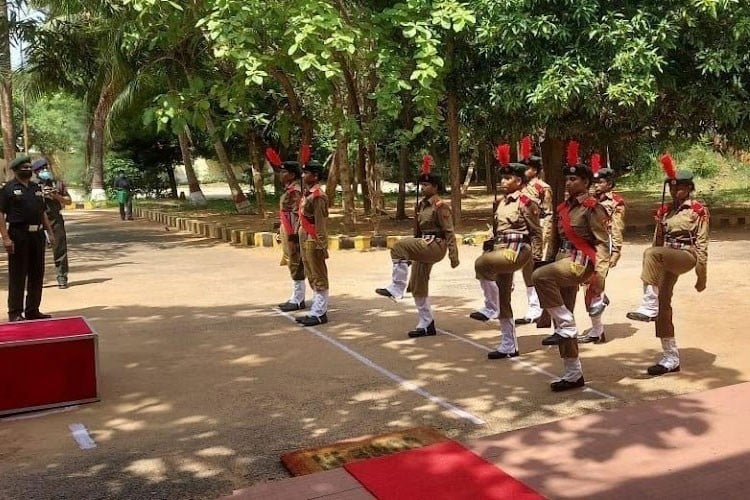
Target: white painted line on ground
x=81 y=436
x=396 y=378
x=523 y=363
x=38 y=414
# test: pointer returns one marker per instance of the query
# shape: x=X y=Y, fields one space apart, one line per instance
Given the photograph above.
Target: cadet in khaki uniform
x=313 y=238
x=582 y=248
x=540 y=191
x=517 y=236
x=680 y=244
x=614 y=204
x=290 y=175
x=433 y=238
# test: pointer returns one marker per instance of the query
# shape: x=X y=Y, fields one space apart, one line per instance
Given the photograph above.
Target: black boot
x=565 y=385
x=657 y=370
x=636 y=316
x=424 y=332
x=313 y=320
x=291 y=306
x=501 y=355
x=553 y=339
x=478 y=316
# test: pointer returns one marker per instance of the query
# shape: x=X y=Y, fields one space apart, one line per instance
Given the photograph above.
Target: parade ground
x=204 y=383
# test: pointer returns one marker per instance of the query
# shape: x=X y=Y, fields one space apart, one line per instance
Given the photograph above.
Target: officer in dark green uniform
x=56 y=196
x=22 y=208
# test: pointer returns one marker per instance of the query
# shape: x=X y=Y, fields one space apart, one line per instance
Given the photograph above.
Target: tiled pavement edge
x=244 y=237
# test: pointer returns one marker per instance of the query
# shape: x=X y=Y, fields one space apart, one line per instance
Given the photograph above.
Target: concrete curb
x=361 y=243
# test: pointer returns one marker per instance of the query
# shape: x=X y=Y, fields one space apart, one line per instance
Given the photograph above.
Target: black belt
x=434 y=235
x=32 y=228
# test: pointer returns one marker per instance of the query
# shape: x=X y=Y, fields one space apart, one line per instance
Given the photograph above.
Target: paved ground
x=204 y=385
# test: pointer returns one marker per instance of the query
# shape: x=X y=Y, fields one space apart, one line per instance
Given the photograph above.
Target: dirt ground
x=204 y=384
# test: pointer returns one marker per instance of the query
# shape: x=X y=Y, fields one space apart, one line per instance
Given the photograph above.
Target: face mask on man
x=44 y=175
x=24 y=174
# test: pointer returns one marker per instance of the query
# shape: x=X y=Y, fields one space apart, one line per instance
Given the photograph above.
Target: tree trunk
x=403 y=173
x=553 y=152
x=454 y=159
x=239 y=198
x=172 y=181
x=342 y=159
x=196 y=196
x=373 y=181
x=258 y=164
x=6 y=91
x=332 y=182
x=96 y=140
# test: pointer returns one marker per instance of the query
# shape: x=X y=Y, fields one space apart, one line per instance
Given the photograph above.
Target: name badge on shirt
x=17 y=192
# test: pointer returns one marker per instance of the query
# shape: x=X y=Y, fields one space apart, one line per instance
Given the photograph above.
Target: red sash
x=286 y=222
x=573 y=237
x=308 y=225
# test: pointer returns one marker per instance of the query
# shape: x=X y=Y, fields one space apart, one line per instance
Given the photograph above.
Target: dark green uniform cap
x=681 y=177
x=315 y=168
x=581 y=170
x=292 y=167
x=517 y=169
x=605 y=173
x=20 y=160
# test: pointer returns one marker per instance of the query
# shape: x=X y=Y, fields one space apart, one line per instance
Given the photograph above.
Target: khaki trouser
x=292 y=257
x=661 y=267
x=423 y=255
x=314 y=261
x=528 y=269
x=557 y=285
x=499 y=265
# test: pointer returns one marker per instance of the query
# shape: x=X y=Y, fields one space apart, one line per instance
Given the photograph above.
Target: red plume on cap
x=526 y=148
x=668 y=166
x=502 y=154
x=572 y=153
x=426 y=164
x=596 y=163
x=273 y=157
x=305 y=153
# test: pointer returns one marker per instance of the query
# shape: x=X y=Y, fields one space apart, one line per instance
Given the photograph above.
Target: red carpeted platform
x=440 y=471
x=47 y=363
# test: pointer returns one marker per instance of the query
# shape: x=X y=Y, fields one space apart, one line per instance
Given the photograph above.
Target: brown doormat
x=332 y=456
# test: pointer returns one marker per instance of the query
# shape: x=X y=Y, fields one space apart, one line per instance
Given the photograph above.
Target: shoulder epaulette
x=525 y=200
x=439 y=203
x=539 y=188
x=662 y=210
x=699 y=209
x=590 y=202
x=618 y=199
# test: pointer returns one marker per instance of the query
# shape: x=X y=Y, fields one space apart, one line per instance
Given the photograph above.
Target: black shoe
x=313 y=320
x=501 y=355
x=12 y=318
x=564 y=385
x=37 y=315
x=385 y=293
x=553 y=339
x=636 y=316
x=424 y=332
x=478 y=316
x=657 y=370
x=62 y=284
x=291 y=306
x=525 y=321
x=592 y=340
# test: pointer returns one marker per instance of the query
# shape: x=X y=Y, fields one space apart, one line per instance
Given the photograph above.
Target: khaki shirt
x=588 y=219
x=517 y=213
x=433 y=216
x=289 y=203
x=314 y=207
x=614 y=204
x=685 y=225
x=542 y=192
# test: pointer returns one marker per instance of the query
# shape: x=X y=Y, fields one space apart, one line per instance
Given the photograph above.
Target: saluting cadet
x=540 y=191
x=680 y=244
x=582 y=248
x=433 y=238
x=313 y=239
x=290 y=175
x=22 y=208
x=517 y=241
x=614 y=205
